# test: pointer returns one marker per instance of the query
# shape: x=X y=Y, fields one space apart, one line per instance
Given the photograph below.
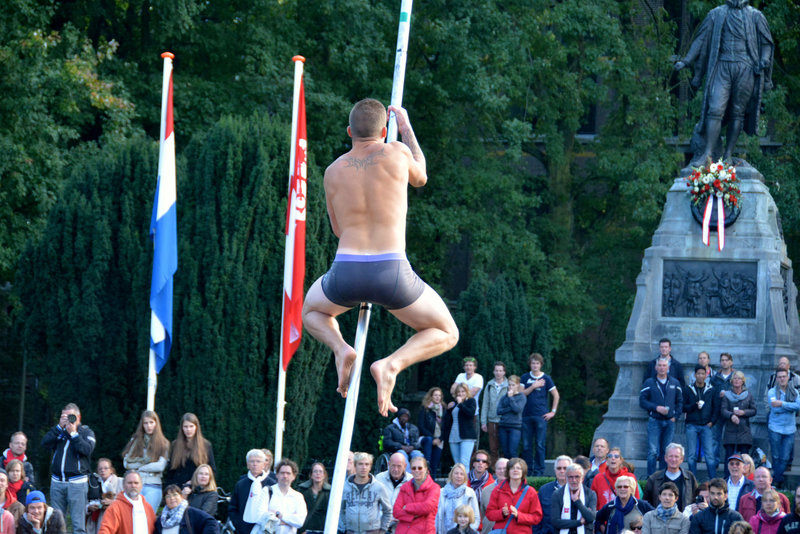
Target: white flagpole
x=152 y=377
x=348 y=421
x=280 y=423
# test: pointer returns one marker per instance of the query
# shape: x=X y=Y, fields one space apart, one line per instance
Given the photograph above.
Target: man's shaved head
x=367 y=119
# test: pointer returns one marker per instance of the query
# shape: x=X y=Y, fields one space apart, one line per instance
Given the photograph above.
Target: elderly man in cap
x=40 y=518
x=400 y=435
x=738 y=484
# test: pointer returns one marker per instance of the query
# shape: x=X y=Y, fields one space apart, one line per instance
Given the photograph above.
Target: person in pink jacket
x=418 y=500
x=768 y=519
x=505 y=506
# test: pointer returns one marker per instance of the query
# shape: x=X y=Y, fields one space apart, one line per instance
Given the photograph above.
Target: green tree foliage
x=532 y=231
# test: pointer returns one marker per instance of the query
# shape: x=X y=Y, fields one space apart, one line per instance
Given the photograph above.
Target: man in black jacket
x=700 y=404
x=250 y=497
x=718 y=517
x=72 y=444
x=400 y=435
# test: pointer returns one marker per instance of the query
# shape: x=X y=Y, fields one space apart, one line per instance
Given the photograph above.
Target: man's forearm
x=410 y=140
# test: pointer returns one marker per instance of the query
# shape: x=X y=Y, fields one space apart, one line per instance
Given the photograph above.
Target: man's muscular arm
x=417 y=173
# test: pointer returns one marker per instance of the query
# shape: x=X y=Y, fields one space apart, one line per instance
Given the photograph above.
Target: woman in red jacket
x=511 y=504
x=417 y=502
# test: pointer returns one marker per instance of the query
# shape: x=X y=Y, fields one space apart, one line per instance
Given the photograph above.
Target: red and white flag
x=294 y=268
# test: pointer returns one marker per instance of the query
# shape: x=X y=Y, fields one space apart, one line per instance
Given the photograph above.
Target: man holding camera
x=72 y=444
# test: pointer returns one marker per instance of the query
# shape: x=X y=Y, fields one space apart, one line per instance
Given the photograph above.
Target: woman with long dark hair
x=147 y=452
x=189 y=450
x=431 y=427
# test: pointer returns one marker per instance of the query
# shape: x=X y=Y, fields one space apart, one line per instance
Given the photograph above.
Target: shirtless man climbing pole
x=366 y=191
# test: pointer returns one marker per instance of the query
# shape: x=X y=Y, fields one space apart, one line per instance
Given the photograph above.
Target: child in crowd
x=464 y=515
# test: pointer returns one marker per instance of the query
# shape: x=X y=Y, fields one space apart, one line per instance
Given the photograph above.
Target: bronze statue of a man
x=733 y=50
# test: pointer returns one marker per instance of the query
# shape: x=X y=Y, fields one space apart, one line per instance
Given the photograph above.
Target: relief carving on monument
x=721 y=289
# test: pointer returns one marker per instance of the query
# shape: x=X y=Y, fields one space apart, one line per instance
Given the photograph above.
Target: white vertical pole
x=287 y=267
x=398 y=82
x=346 y=437
x=348 y=421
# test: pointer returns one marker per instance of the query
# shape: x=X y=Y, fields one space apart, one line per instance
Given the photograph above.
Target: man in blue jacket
x=72 y=444
x=662 y=398
x=781 y=425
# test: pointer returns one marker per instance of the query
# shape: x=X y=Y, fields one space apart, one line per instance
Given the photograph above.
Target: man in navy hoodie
x=662 y=398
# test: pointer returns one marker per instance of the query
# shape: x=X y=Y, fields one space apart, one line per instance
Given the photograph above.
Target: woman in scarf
x=455 y=493
x=430 y=428
x=204 y=490
x=147 y=452
x=514 y=505
x=618 y=514
x=100 y=498
x=180 y=518
x=768 y=519
x=316 y=491
x=16 y=480
x=738 y=406
x=8 y=501
x=189 y=450
x=666 y=518
x=573 y=506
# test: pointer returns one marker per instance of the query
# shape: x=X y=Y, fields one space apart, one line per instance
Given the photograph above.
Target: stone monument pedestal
x=741 y=300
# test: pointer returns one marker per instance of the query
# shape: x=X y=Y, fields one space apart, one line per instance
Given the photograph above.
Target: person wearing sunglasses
x=604 y=483
x=617 y=515
x=418 y=500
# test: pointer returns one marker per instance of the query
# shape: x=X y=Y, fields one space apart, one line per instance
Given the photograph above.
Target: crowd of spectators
x=485 y=490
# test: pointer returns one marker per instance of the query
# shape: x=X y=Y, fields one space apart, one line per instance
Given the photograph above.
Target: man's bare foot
x=385 y=376
x=345 y=357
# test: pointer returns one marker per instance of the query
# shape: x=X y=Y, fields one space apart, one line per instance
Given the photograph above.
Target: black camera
x=72 y=418
x=699 y=499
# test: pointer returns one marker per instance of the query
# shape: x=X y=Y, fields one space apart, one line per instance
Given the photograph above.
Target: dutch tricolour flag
x=164 y=230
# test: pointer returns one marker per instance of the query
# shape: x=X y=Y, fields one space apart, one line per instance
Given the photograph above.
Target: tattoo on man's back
x=360 y=164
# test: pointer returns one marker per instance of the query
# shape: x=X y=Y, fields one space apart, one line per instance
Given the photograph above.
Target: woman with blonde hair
x=204 y=490
x=738 y=406
x=431 y=427
x=147 y=452
x=459 y=424
x=455 y=493
x=189 y=450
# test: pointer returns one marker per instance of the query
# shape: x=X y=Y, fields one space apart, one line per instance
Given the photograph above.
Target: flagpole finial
x=299 y=58
x=168 y=55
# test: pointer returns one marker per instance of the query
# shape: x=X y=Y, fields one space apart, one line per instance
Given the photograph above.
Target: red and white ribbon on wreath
x=720 y=224
x=720 y=221
x=707 y=219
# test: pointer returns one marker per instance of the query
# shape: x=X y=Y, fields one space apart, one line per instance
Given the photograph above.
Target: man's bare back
x=366 y=194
